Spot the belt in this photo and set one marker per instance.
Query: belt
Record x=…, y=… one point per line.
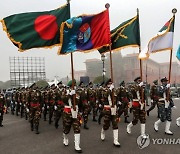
x=34, y=105
x=161, y=99
x=60, y=103
x=107, y=107
x=135, y=104
x=136, y=100
x=67, y=109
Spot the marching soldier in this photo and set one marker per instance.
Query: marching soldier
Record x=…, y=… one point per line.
x=92, y=100
x=52, y=98
x=71, y=117
x=138, y=106
x=165, y=104
x=59, y=105
x=2, y=103
x=45, y=99
x=110, y=114
x=123, y=99
x=35, y=107
x=85, y=106
x=154, y=97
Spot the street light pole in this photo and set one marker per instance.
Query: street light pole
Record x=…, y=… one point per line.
x=103, y=59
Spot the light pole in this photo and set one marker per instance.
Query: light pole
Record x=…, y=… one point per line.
x=103, y=59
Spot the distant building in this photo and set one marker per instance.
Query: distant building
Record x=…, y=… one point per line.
x=127, y=68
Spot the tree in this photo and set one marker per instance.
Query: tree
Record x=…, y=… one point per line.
x=99, y=79
x=42, y=84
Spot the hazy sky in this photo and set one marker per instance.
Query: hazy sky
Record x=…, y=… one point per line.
x=153, y=15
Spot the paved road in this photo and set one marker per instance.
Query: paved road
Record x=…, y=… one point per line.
x=16, y=138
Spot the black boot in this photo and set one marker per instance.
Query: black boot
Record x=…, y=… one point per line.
x=56, y=125
x=37, y=129
x=32, y=126
x=94, y=119
x=125, y=120
x=147, y=112
x=85, y=126
x=1, y=125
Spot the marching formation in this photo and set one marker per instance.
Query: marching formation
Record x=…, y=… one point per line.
x=74, y=105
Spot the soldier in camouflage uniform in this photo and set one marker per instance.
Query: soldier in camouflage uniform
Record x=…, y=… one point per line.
x=165, y=104
x=85, y=106
x=110, y=113
x=71, y=117
x=59, y=105
x=2, y=103
x=154, y=97
x=45, y=101
x=35, y=107
x=138, y=106
x=52, y=98
x=91, y=92
x=123, y=98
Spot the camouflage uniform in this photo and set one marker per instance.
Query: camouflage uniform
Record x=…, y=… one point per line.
x=138, y=106
x=110, y=113
x=69, y=121
x=2, y=103
x=123, y=99
x=91, y=92
x=52, y=98
x=35, y=109
x=17, y=103
x=154, y=97
x=59, y=106
x=165, y=104
x=85, y=106
x=45, y=102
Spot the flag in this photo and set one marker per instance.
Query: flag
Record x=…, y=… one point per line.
x=36, y=29
x=85, y=33
x=163, y=40
x=125, y=35
x=178, y=53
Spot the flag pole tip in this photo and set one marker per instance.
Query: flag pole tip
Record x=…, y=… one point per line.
x=107, y=5
x=174, y=10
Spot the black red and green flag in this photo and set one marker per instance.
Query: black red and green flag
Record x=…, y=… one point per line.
x=127, y=34
x=36, y=29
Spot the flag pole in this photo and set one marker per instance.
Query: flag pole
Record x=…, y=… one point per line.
x=140, y=64
x=111, y=68
x=171, y=52
x=72, y=71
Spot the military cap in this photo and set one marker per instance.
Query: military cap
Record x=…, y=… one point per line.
x=121, y=83
x=164, y=79
x=108, y=81
x=59, y=83
x=70, y=83
x=90, y=83
x=32, y=85
x=101, y=84
x=137, y=78
x=81, y=83
x=155, y=81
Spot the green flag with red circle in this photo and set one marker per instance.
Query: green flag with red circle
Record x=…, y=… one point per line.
x=36, y=29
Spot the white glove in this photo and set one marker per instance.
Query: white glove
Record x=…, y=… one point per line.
x=20, y=103
x=168, y=85
x=130, y=104
x=111, y=87
x=43, y=108
x=74, y=113
x=142, y=106
x=96, y=101
x=100, y=105
x=72, y=92
x=119, y=103
x=27, y=110
x=11, y=102
x=55, y=107
x=24, y=105
x=113, y=110
x=47, y=107
x=151, y=101
x=16, y=103
x=141, y=84
x=174, y=107
x=166, y=104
